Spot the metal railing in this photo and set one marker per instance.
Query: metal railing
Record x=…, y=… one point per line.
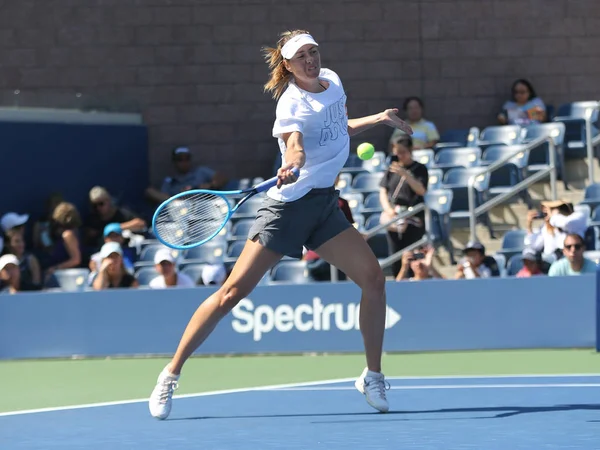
x=411, y=211
x=591, y=143
x=474, y=212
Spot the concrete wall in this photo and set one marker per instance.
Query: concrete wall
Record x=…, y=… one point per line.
x=194, y=68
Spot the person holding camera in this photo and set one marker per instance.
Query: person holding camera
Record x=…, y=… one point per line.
x=559, y=220
x=418, y=265
x=475, y=263
x=403, y=185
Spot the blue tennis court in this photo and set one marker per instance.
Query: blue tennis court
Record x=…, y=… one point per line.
x=495, y=412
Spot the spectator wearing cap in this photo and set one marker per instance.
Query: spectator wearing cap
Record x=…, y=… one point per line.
x=104, y=211
x=112, y=272
x=475, y=263
x=114, y=233
x=10, y=275
x=14, y=221
x=213, y=274
x=187, y=178
x=532, y=264
x=559, y=220
x=67, y=248
x=29, y=266
x=574, y=262
x=165, y=264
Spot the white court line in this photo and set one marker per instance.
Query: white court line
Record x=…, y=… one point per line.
x=447, y=386
x=284, y=386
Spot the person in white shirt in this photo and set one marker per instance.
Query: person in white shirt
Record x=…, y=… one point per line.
x=165, y=264
x=313, y=132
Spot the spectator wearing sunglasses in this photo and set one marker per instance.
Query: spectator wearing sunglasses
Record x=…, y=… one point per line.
x=574, y=262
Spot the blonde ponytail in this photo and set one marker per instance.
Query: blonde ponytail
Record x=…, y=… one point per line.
x=279, y=77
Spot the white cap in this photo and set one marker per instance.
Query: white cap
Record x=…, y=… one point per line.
x=11, y=220
x=8, y=259
x=213, y=274
x=109, y=248
x=164, y=254
x=293, y=45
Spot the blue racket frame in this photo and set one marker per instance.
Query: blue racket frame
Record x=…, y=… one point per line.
x=251, y=191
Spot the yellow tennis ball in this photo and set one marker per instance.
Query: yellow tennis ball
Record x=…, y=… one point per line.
x=365, y=151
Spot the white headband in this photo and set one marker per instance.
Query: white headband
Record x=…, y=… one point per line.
x=291, y=47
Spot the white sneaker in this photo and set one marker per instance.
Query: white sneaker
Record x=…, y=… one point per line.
x=162, y=395
x=373, y=386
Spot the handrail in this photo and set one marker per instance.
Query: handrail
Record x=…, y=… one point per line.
x=398, y=255
x=411, y=211
x=590, y=145
x=475, y=212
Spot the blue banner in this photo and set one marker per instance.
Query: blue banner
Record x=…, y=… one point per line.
x=513, y=313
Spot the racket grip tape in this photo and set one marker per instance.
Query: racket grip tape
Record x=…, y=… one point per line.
x=268, y=184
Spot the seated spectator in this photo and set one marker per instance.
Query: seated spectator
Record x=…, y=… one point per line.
x=10, y=275
x=169, y=276
x=67, y=248
x=524, y=108
x=559, y=219
x=475, y=263
x=418, y=265
x=14, y=221
x=114, y=233
x=403, y=185
x=425, y=133
x=104, y=211
x=29, y=266
x=532, y=264
x=201, y=177
x=573, y=263
x=42, y=229
x=319, y=269
x=214, y=274
x=112, y=273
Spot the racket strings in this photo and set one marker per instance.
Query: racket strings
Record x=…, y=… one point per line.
x=192, y=218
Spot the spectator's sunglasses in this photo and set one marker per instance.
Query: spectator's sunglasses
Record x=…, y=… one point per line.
x=182, y=158
x=574, y=246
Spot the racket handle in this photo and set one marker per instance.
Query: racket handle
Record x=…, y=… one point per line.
x=268, y=184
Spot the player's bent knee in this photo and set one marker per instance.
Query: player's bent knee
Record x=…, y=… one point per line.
x=229, y=296
x=374, y=282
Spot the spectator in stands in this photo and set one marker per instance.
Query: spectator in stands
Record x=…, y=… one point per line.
x=114, y=233
x=425, y=133
x=319, y=269
x=10, y=276
x=14, y=221
x=201, y=177
x=214, y=274
x=169, y=276
x=524, y=108
x=574, y=262
x=112, y=273
x=532, y=264
x=418, y=265
x=67, y=248
x=29, y=266
x=104, y=211
x=559, y=219
x=476, y=264
x=403, y=185
x=42, y=229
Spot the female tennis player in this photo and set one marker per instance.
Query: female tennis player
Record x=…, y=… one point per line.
x=313, y=133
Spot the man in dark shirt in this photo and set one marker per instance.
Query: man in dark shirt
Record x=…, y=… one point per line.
x=404, y=184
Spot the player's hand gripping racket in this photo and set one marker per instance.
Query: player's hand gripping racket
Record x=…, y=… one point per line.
x=192, y=218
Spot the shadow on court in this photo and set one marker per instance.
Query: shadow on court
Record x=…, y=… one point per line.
x=502, y=412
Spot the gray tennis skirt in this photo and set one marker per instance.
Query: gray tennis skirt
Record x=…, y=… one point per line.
x=310, y=221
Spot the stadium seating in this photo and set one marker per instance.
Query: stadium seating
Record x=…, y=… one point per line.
x=289, y=272
x=69, y=280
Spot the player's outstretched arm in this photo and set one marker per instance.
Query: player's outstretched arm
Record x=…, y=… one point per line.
x=294, y=157
x=388, y=117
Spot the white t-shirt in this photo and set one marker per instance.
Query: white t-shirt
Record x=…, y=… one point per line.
x=323, y=121
x=183, y=281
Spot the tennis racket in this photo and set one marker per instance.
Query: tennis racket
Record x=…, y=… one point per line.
x=192, y=218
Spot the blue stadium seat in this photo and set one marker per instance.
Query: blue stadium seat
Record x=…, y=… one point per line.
x=69, y=280
x=438, y=202
x=194, y=271
x=378, y=244
x=249, y=208
x=209, y=253
x=372, y=221
x=511, y=173
x=515, y=263
x=359, y=222
x=513, y=243
x=435, y=179
x=455, y=138
x=240, y=229
x=376, y=164
x=235, y=249
x=344, y=183
x=424, y=156
x=573, y=116
x=144, y=275
x=539, y=157
x=591, y=196
x=449, y=158
x=372, y=203
x=592, y=238
x=290, y=272
x=355, y=201
x=148, y=252
x=507, y=134
x=367, y=182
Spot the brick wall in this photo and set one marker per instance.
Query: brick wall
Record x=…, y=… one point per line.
x=194, y=69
